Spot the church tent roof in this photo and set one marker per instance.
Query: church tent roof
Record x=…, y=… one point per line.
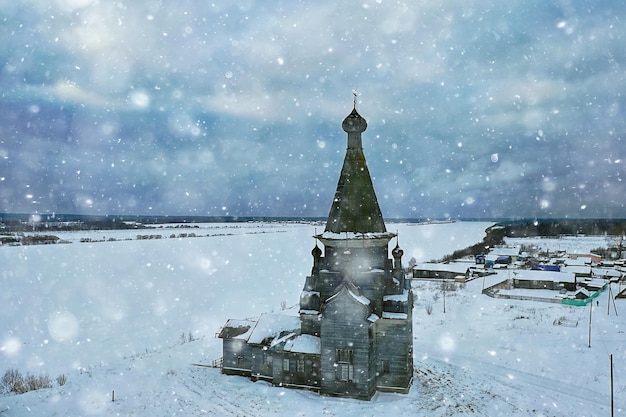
x=355, y=206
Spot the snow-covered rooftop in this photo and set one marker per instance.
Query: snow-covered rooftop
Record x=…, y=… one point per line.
x=397, y=297
x=505, y=251
x=270, y=326
x=457, y=267
x=355, y=236
x=580, y=261
x=373, y=317
x=606, y=272
x=529, y=274
x=237, y=329
x=396, y=316
x=583, y=291
x=577, y=269
x=595, y=283
x=304, y=343
x=351, y=291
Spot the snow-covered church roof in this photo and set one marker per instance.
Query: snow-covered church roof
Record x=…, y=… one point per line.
x=273, y=325
x=304, y=343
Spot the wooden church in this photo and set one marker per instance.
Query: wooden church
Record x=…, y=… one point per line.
x=353, y=334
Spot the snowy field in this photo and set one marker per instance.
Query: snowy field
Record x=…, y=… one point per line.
x=110, y=316
x=569, y=244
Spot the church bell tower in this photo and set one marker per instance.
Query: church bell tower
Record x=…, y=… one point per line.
x=357, y=299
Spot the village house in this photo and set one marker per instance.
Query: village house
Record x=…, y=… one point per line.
x=447, y=271
x=610, y=274
x=548, y=280
x=581, y=272
x=503, y=254
x=587, y=258
x=353, y=333
x=556, y=280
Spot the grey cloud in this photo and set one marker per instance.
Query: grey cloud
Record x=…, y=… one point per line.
x=475, y=109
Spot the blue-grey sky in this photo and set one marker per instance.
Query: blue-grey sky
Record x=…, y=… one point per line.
x=475, y=108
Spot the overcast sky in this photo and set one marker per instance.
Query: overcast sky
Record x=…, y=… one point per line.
x=474, y=108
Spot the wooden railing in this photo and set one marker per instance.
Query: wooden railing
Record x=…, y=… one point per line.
x=217, y=363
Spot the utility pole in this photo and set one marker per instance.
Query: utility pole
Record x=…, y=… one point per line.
x=608, y=304
x=611, y=300
x=611, y=362
x=590, y=311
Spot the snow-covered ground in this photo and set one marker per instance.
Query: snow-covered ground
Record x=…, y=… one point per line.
x=111, y=315
x=569, y=244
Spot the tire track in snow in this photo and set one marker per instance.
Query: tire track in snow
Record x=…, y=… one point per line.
x=218, y=400
x=513, y=378
x=446, y=390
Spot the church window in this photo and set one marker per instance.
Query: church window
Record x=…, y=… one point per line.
x=345, y=366
x=384, y=367
x=346, y=372
x=344, y=356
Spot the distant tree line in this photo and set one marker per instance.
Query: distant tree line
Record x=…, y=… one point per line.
x=554, y=228
x=494, y=236
x=20, y=239
x=614, y=229
x=14, y=226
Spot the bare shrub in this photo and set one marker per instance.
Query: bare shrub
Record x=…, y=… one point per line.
x=36, y=382
x=61, y=379
x=429, y=309
x=184, y=338
x=13, y=381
